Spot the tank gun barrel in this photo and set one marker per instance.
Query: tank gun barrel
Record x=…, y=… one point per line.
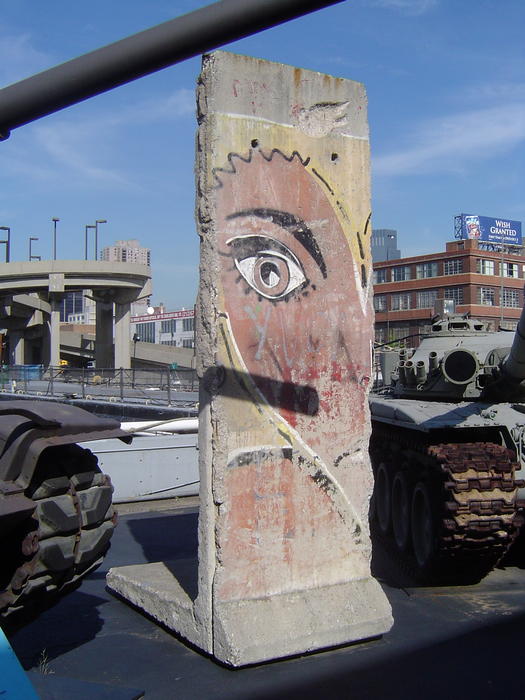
x=514, y=364
x=141, y=54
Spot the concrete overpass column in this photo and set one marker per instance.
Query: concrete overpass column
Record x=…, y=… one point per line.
x=54, y=331
x=16, y=348
x=122, y=339
x=104, y=335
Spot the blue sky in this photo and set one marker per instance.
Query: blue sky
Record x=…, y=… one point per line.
x=446, y=90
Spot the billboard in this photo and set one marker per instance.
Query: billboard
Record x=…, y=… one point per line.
x=484, y=228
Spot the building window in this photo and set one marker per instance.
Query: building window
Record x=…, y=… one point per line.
x=187, y=325
x=400, y=302
x=453, y=267
x=187, y=343
x=429, y=269
x=426, y=299
x=169, y=326
x=398, y=332
x=510, y=269
x=380, y=275
x=455, y=294
x=380, y=335
x=486, y=296
x=485, y=267
x=511, y=297
x=146, y=331
x=401, y=273
x=380, y=302
x=168, y=342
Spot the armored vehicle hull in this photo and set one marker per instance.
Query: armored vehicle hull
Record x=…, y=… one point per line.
x=447, y=450
x=448, y=488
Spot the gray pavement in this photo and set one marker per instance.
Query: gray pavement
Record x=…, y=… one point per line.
x=446, y=642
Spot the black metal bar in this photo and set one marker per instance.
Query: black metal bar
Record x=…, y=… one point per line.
x=121, y=383
x=143, y=53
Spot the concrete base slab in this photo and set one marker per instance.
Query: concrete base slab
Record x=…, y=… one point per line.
x=250, y=631
x=154, y=589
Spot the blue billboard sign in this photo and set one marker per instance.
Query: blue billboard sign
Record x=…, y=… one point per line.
x=484, y=228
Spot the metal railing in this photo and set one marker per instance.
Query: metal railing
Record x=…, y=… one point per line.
x=158, y=385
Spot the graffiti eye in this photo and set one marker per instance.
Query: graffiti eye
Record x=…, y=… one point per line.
x=268, y=266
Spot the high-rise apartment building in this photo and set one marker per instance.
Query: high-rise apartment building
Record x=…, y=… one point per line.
x=384, y=244
x=127, y=251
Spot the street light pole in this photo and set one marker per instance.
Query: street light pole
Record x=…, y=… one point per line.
x=136, y=338
x=97, y=222
x=33, y=257
x=7, y=242
x=54, y=220
x=86, y=240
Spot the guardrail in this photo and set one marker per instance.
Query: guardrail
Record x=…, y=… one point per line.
x=117, y=384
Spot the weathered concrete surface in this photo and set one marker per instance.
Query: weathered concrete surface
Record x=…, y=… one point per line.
x=284, y=343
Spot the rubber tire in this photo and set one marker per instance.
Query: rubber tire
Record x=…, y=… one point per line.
x=423, y=527
x=382, y=496
x=401, y=502
x=75, y=519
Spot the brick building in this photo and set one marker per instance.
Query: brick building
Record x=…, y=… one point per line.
x=487, y=283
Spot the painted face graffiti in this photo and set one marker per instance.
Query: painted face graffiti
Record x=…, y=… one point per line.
x=294, y=299
x=267, y=265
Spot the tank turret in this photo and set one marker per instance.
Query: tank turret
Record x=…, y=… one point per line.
x=448, y=450
x=462, y=360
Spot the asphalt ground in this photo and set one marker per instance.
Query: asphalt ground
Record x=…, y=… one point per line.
x=446, y=643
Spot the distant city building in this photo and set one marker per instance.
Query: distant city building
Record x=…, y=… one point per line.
x=127, y=251
x=78, y=308
x=72, y=304
x=384, y=244
x=175, y=328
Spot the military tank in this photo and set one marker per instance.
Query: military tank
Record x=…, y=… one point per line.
x=447, y=451
x=56, y=513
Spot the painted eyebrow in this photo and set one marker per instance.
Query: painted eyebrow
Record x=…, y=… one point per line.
x=294, y=225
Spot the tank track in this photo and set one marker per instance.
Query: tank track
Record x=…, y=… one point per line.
x=65, y=538
x=473, y=494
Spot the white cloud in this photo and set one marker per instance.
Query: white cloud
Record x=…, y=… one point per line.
x=408, y=7
x=19, y=59
x=180, y=103
x=72, y=146
x=494, y=92
x=84, y=146
x=454, y=143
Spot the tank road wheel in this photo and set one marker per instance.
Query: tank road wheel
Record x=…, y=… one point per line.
x=68, y=534
x=423, y=525
x=382, y=498
x=401, y=511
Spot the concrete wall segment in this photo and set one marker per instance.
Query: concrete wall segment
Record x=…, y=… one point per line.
x=284, y=333
x=287, y=368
